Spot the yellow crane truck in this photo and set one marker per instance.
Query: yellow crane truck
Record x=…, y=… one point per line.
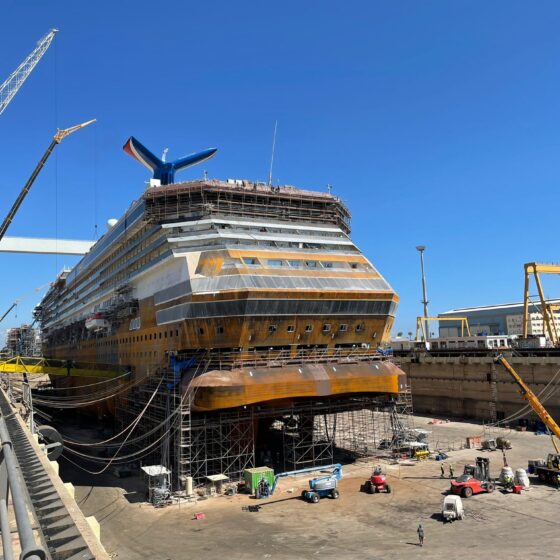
x=550, y=472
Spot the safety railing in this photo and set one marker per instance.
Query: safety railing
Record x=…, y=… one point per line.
x=11, y=483
x=285, y=357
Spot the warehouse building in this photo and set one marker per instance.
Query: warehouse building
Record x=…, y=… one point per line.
x=504, y=319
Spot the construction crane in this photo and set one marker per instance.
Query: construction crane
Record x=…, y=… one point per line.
x=423, y=324
x=11, y=86
x=17, y=301
x=533, y=401
x=58, y=137
x=547, y=309
x=9, y=309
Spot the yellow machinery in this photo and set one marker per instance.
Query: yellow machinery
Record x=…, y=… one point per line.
x=66, y=368
x=533, y=401
x=547, y=309
x=423, y=324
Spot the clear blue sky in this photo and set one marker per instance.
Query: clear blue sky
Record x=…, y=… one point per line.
x=436, y=121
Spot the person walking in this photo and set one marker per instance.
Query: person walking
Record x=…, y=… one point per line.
x=420, y=532
x=442, y=471
x=451, y=473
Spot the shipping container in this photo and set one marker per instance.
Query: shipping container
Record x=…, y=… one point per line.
x=253, y=476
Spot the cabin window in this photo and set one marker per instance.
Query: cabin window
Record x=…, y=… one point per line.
x=291, y=328
x=165, y=334
x=326, y=327
x=220, y=329
x=343, y=327
x=177, y=332
x=327, y=264
x=272, y=329
x=251, y=261
x=354, y=265
x=308, y=328
x=294, y=264
x=275, y=263
x=200, y=331
x=310, y=264
x=360, y=327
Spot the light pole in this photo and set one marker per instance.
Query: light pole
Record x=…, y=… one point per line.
x=421, y=249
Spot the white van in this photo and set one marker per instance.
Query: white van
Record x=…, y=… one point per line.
x=452, y=508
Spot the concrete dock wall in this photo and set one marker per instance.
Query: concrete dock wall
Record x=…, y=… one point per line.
x=461, y=387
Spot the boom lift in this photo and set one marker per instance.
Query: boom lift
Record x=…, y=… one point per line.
x=319, y=487
x=551, y=472
x=15, y=80
x=58, y=137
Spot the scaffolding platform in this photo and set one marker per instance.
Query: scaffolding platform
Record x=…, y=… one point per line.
x=307, y=432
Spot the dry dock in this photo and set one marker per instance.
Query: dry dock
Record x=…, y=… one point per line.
x=357, y=525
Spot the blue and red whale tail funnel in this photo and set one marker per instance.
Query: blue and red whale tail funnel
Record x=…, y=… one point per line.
x=164, y=170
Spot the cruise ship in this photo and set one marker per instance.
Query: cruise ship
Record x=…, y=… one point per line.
x=229, y=268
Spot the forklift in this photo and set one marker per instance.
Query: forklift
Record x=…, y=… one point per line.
x=474, y=480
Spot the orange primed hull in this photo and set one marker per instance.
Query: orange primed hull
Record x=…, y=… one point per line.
x=217, y=390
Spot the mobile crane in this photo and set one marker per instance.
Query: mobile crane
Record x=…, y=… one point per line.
x=551, y=472
x=57, y=138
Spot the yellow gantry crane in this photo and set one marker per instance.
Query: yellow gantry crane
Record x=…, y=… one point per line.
x=58, y=137
x=423, y=324
x=533, y=401
x=547, y=309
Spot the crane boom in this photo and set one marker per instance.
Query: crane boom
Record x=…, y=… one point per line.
x=11, y=86
x=5, y=314
x=532, y=399
x=58, y=137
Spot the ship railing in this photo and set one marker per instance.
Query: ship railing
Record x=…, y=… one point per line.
x=280, y=358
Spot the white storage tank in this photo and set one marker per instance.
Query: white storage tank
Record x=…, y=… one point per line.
x=522, y=478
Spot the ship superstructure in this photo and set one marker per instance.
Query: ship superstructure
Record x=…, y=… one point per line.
x=243, y=310
x=232, y=266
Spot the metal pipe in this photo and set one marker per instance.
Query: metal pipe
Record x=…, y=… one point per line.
x=29, y=548
x=421, y=249
x=5, y=528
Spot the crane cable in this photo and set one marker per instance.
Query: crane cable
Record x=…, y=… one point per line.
x=521, y=411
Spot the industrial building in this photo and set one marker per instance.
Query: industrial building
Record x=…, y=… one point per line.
x=503, y=319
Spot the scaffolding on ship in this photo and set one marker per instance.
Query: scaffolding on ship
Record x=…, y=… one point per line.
x=306, y=433
x=244, y=199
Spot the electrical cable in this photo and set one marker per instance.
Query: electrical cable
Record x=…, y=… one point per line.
x=131, y=431
x=186, y=393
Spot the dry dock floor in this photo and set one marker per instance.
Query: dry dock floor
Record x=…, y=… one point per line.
x=357, y=525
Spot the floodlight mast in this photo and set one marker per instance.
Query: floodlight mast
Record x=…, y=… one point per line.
x=421, y=249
